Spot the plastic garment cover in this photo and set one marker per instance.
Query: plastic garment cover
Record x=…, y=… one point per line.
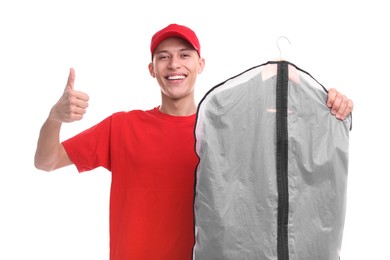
x=272, y=176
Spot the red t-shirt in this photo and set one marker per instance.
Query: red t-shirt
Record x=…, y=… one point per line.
x=152, y=159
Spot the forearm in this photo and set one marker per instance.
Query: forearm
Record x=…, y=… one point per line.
x=50, y=152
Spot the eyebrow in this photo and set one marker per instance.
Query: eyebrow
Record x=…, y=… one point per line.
x=183, y=49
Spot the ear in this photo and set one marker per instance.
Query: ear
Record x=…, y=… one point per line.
x=202, y=63
x=151, y=70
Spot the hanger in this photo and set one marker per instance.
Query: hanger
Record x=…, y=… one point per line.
x=271, y=69
x=277, y=44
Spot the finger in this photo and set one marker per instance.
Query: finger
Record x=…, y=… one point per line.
x=71, y=78
x=74, y=114
x=332, y=93
x=342, y=109
x=79, y=111
x=347, y=110
x=80, y=96
x=80, y=103
x=335, y=103
x=73, y=117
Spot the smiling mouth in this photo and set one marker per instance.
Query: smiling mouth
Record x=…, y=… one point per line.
x=176, y=77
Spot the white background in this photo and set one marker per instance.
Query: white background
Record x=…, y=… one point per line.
x=63, y=214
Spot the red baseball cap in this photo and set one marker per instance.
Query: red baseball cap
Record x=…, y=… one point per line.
x=175, y=30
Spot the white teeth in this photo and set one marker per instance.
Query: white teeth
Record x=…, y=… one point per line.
x=176, y=77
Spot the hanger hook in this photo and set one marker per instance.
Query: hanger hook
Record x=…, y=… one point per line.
x=277, y=44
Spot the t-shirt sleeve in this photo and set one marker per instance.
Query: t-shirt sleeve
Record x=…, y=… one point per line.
x=91, y=148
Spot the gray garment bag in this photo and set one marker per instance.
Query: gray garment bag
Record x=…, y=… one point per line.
x=273, y=163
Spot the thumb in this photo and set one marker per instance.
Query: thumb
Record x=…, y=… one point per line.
x=71, y=77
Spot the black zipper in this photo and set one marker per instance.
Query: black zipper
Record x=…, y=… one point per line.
x=282, y=160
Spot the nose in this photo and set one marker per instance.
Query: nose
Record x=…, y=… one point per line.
x=174, y=63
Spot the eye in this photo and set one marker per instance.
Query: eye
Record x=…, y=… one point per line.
x=185, y=55
x=163, y=57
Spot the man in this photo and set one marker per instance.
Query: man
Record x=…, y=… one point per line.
x=150, y=153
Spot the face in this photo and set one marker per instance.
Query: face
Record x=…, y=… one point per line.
x=176, y=65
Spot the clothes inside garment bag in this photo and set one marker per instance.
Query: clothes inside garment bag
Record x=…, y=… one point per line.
x=273, y=164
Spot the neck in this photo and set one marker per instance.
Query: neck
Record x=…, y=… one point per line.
x=178, y=107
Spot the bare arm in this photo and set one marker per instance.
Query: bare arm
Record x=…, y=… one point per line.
x=50, y=154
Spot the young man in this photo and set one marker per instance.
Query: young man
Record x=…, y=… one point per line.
x=149, y=153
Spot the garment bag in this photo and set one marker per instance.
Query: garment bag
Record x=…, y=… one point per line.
x=272, y=175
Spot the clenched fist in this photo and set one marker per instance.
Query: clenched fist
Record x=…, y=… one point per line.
x=72, y=105
x=339, y=104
